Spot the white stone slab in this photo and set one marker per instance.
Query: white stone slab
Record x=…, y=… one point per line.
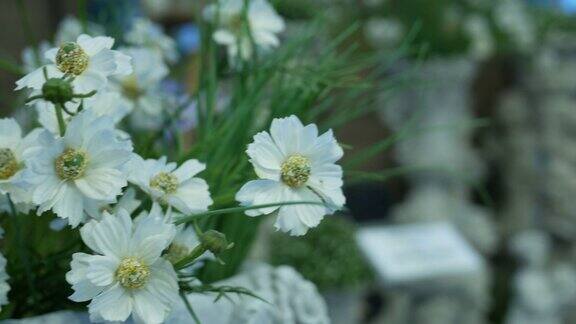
x=402, y=254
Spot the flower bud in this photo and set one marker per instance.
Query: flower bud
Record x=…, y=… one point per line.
x=215, y=242
x=57, y=91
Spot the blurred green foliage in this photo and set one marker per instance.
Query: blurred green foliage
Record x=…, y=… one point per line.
x=328, y=255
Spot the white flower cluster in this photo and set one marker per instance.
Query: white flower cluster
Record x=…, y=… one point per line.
x=292, y=299
x=81, y=165
x=239, y=28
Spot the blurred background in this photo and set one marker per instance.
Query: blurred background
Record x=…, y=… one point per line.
x=474, y=220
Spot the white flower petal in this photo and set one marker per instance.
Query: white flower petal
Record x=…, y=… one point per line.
x=326, y=180
x=148, y=64
x=266, y=156
x=50, y=54
x=128, y=201
x=101, y=270
x=266, y=39
x=263, y=17
x=224, y=37
x=103, y=62
x=261, y=192
x=164, y=282
x=188, y=170
x=123, y=64
x=286, y=134
x=69, y=204
x=152, y=235
x=78, y=267
x=297, y=219
x=85, y=290
x=47, y=189
x=148, y=307
x=109, y=236
x=88, y=81
x=325, y=149
x=36, y=79
x=150, y=104
x=40, y=160
x=114, y=304
x=29, y=141
x=102, y=183
x=191, y=197
x=93, y=45
x=110, y=158
x=10, y=133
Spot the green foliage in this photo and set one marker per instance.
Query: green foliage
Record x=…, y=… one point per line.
x=441, y=34
x=328, y=255
x=38, y=258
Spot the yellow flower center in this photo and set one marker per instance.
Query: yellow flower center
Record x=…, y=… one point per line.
x=71, y=164
x=165, y=182
x=8, y=164
x=295, y=171
x=176, y=252
x=132, y=273
x=130, y=88
x=71, y=59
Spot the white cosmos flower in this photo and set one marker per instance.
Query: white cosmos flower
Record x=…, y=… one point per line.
x=145, y=33
x=263, y=23
x=126, y=275
x=141, y=89
x=87, y=163
x=12, y=148
x=172, y=186
x=4, y=287
x=103, y=103
x=90, y=60
x=294, y=164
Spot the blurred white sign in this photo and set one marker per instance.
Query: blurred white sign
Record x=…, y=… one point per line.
x=405, y=253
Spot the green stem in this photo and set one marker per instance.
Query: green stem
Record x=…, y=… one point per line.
x=84, y=95
x=241, y=209
x=60, y=117
x=221, y=291
x=34, y=98
x=68, y=112
x=196, y=227
x=195, y=254
x=248, y=30
x=211, y=87
x=189, y=307
x=83, y=15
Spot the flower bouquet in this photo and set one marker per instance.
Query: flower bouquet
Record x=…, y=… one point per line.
x=134, y=189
